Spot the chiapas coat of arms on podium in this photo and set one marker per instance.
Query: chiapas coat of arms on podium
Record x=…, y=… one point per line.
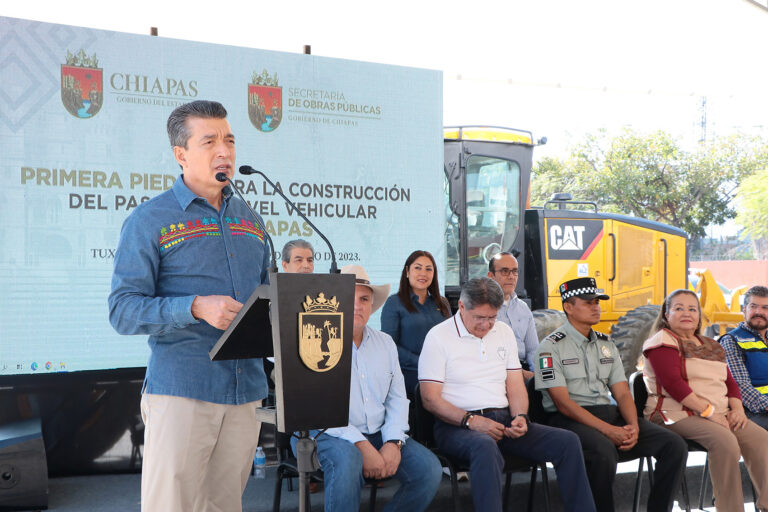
x=320, y=333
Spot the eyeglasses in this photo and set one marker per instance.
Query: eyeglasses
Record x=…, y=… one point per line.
x=506, y=271
x=753, y=306
x=478, y=319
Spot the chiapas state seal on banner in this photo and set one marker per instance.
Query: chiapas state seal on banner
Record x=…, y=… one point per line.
x=265, y=101
x=82, y=91
x=320, y=333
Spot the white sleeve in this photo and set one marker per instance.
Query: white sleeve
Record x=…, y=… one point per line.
x=510, y=342
x=432, y=358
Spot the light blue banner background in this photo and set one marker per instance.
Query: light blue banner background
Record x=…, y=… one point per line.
x=55, y=254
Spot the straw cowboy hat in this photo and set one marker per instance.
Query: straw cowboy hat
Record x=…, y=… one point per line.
x=380, y=292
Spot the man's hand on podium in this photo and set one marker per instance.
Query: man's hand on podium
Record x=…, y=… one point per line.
x=374, y=465
x=391, y=454
x=217, y=310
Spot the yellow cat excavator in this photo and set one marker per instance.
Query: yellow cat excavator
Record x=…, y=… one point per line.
x=637, y=262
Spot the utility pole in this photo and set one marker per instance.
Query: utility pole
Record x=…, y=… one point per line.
x=703, y=120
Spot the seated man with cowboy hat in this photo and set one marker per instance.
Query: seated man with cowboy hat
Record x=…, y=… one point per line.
x=375, y=444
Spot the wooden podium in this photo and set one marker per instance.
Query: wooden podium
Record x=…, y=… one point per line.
x=305, y=321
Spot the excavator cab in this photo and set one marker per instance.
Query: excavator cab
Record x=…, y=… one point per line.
x=487, y=176
x=487, y=186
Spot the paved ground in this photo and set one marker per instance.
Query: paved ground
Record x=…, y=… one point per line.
x=120, y=493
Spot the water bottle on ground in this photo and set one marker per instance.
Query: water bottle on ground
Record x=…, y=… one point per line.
x=260, y=462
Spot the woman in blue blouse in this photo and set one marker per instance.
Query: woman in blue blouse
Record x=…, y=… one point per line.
x=408, y=315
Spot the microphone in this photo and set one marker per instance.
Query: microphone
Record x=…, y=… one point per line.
x=222, y=177
x=248, y=170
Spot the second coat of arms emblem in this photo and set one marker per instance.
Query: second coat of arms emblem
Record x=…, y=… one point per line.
x=320, y=333
x=265, y=101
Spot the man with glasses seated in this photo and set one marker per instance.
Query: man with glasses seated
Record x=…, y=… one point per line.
x=470, y=379
x=514, y=312
x=746, y=351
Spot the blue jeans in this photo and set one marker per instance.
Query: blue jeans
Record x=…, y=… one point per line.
x=540, y=444
x=419, y=474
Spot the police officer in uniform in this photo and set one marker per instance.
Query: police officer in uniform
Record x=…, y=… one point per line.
x=580, y=369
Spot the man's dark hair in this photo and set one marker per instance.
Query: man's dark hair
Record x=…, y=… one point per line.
x=480, y=291
x=569, y=300
x=178, y=131
x=755, y=291
x=295, y=244
x=492, y=262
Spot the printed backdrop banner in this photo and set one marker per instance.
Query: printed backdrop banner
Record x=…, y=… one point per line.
x=83, y=141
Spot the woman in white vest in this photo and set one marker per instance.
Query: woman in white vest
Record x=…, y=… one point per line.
x=692, y=392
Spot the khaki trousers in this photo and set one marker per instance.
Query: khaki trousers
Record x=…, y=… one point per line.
x=725, y=447
x=197, y=455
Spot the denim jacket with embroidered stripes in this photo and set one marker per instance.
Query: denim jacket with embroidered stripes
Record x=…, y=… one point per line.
x=172, y=248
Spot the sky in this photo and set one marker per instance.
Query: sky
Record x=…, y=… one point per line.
x=558, y=68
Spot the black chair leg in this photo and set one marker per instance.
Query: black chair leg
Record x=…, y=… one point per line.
x=278, y=491
x=531, y=489
x=372, y=501
x=704, y=482
x=507, y=486
x=638, y=484
x=545, y=481
x=454, y=489
x=686, y=499
x=650, y=470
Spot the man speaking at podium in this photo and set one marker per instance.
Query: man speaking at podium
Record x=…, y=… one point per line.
x=186, y=261
x=374, y=444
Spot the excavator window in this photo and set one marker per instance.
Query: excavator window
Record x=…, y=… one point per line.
x=493, y=215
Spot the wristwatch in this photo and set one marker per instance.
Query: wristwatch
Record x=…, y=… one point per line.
x=525, y=417
x=397, y=442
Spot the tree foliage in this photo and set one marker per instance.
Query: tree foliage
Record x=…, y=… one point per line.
x=652, y=176
x=753, y=211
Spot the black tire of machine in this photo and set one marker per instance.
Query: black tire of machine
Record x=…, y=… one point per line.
x=547, y=320
x=630, y=332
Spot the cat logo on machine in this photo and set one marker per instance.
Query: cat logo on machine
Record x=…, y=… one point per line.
x=82, y=91
x=573, y=239
x=320, y=333
x=567, y=238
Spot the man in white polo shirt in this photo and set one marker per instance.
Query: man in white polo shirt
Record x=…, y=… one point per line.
x=470, y=379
